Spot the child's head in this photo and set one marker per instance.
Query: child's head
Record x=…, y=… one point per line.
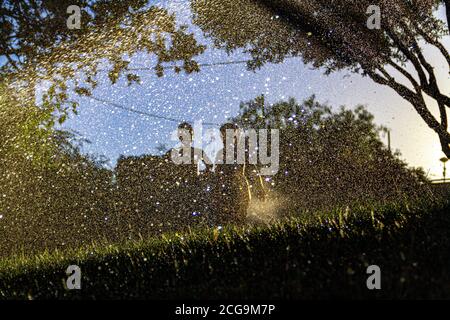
x=185, y=131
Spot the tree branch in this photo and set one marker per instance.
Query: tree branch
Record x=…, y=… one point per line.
x=447, y=9
x=416, y=99
x=436, y=43
x=414, y=60
x=432, y=87
x=406, y=74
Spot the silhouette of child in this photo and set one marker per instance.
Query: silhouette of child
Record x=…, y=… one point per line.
x=231, y=194
x=190, y=199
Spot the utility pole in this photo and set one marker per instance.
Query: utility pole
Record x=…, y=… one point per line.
x=444, y=161
x=389, y=140
x=387, y=132
x=263, y=102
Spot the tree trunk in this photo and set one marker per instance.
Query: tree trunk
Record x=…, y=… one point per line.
x=447, y=9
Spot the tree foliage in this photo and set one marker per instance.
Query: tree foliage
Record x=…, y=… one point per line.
x=334, y=35
x=50, y=195
x=39, y=46
x=332, y=159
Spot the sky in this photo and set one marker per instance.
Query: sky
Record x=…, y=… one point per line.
x=214, y=94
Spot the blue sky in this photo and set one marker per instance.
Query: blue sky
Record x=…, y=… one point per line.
x=214, y=94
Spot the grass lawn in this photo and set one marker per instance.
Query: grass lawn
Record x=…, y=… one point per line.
x=325, y=256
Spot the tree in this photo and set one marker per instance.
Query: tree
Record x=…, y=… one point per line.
x=50, y=194
x=332, y=159
x=39, y=46
x=334, y=35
